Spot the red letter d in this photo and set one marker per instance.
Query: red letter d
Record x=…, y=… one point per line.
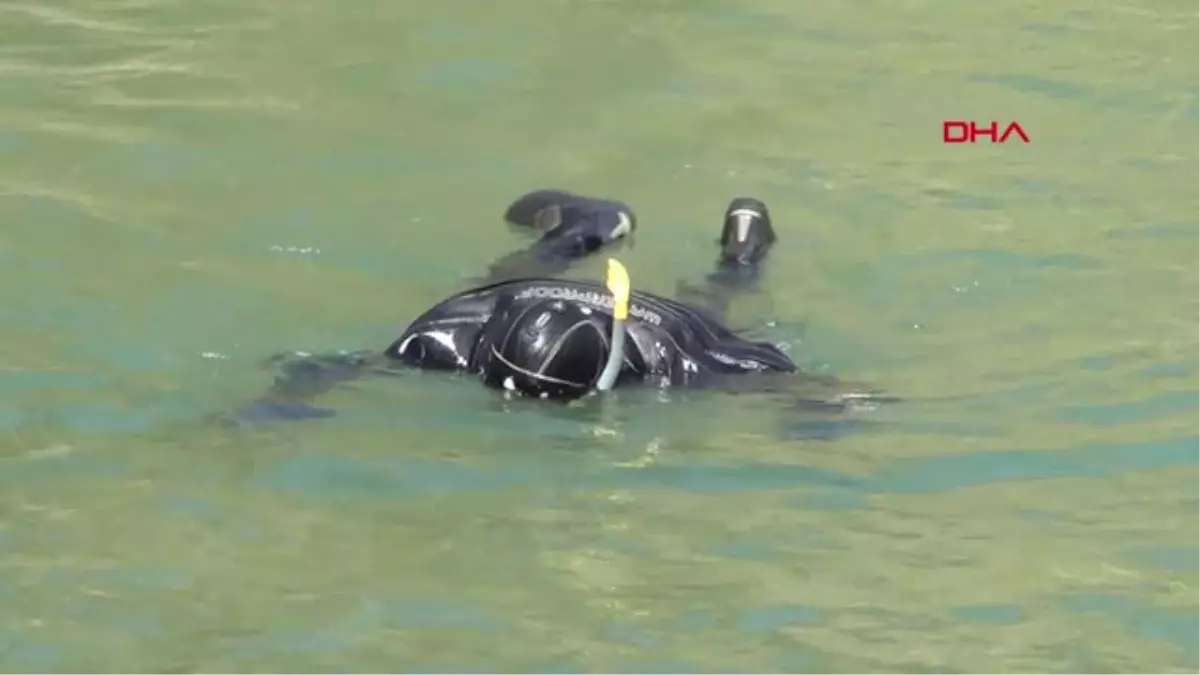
x=949, y=137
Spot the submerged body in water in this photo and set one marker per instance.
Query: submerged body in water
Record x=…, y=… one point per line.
x=667, y=343
x=529, y=332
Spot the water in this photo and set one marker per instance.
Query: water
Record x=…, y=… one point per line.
x=189, y=187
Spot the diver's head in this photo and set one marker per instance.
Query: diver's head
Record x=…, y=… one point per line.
x=747, y=234
x=553, y=349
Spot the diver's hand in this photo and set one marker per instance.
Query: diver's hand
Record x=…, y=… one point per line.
x=852, y=401
x=547, y=209
x=300, y=378
x=540, y=209
x=574, y=227
x=585, y=227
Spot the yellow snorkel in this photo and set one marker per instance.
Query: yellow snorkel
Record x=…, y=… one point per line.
x=617, y=281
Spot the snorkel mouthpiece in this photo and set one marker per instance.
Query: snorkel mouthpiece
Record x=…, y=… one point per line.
x=617, y=281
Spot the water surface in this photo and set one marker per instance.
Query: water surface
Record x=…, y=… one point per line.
x=189, y=187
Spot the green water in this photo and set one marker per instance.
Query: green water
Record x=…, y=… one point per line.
x=188, y=187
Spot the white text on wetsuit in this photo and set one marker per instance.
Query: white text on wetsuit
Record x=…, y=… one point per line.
x=589, y=297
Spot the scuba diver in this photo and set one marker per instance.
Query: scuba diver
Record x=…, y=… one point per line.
x=527, y=331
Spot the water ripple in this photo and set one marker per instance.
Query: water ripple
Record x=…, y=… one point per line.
x=1159, y=405
x=953, y=472
x=59, y=16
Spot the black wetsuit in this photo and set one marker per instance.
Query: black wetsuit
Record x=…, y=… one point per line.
x=674, y=343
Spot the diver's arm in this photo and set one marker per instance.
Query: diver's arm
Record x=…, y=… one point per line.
x=717, y=290
x=302, y=377
x=812, y=407
x=530, y=262
x=746, y=238
x=573, y=227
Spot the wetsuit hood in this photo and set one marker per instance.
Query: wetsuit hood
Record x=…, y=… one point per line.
x=546, y=349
